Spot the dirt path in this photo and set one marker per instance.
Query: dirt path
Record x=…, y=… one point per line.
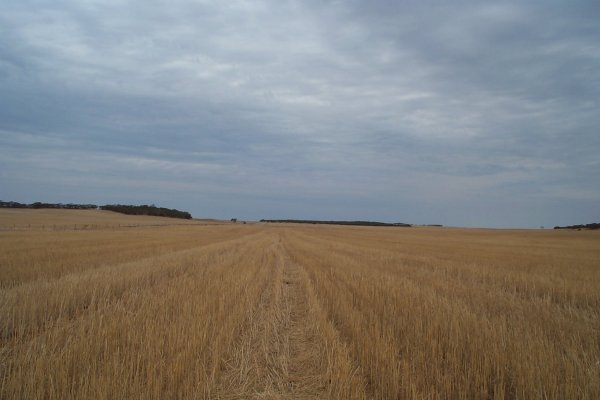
x=280, y=354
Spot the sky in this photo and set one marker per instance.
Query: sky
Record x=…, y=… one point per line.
x=462, y=113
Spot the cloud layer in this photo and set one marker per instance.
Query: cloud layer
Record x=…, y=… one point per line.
x=471, y=113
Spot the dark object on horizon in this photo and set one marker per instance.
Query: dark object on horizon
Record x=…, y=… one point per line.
x=233, y=219
x=595, y=225
x=37, y=205
x=354, y=223
x=147, y=210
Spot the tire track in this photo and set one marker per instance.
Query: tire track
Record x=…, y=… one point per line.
x=281, y=354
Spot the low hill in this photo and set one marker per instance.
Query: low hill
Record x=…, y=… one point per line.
x=27, y=218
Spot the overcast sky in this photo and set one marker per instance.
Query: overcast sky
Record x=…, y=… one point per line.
x=464, y=113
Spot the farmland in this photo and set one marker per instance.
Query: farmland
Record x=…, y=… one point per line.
x=106, y=306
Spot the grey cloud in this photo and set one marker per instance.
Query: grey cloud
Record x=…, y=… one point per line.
x=387, y=110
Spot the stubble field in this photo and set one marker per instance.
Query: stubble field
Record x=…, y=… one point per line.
x=103, y=306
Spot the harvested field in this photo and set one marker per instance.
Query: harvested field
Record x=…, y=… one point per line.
x=55, y=219
x=269, y=311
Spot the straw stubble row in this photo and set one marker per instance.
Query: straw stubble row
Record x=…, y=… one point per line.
x=302, y=312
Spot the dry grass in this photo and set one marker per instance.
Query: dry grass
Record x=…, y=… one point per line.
x=462, y=313
x=56, y=219
x=280, y=311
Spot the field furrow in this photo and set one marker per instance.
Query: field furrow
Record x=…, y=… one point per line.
x=280, y=354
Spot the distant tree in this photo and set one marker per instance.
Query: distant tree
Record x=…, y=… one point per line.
x=147, y=210
x=595, y=225
x=357, y=223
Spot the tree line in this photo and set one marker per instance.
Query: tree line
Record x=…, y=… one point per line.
x=37, y=204
x=147, y=210
x=357, y=223
x=595, y=225
x=120, y=208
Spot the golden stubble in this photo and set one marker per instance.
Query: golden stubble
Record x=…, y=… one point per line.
x=236, y=311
